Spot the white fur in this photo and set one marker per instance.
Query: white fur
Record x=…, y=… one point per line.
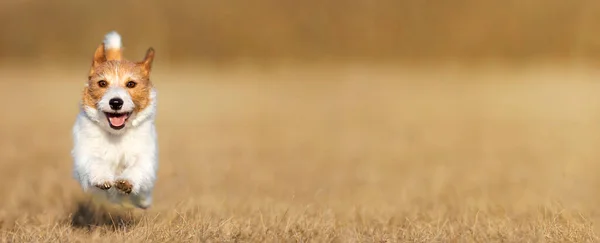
x=116, y=91
x=112, y=40
x=102, y=154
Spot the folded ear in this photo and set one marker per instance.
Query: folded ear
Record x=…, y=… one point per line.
x=98, y=59
x=147, y=62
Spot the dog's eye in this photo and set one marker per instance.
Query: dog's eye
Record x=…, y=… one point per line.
x=131, y=84
x=102, y=83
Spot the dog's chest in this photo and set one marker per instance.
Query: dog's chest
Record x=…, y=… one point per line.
x=123, y=152
x=119, y=158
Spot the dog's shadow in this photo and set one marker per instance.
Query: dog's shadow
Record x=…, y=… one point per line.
x=89, y=215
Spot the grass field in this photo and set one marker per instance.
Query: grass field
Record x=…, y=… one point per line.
x=212, y=30
x=374, y=153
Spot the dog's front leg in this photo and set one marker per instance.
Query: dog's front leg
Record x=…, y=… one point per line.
x=93, y=172
x=138, y=177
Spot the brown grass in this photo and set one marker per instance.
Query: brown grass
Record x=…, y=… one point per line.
x=311, y=30
x=331, y=153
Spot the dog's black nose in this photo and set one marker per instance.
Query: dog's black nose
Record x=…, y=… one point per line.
x=115, y=103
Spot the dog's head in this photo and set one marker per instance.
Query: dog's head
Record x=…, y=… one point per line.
x=118, y=93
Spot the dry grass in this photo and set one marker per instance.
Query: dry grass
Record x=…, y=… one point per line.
x=331, y=153
x=310, y=30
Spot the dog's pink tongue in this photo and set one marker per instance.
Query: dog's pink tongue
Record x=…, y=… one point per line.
x=117, y=121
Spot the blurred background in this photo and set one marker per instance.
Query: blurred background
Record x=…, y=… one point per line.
x=268, y=30
x=352, y=120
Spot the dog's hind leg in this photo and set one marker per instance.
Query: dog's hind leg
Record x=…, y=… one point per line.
x=142, y=200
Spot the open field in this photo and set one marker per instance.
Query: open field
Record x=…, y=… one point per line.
x=184, y=30
x=324, y=153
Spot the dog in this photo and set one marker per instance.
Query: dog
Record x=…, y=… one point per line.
x=115, y=149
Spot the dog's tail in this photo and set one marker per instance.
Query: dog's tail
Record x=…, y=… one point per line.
x=112, y=46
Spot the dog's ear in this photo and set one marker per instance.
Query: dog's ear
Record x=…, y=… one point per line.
x=99, y=58
x=147, y=62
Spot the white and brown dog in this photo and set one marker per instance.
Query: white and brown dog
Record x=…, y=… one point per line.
x=115, y=144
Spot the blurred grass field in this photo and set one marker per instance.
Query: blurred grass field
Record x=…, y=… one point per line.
x=317, y=121
x=342, y=154
x=262, y=30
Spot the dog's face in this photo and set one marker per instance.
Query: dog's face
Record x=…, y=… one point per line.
x=117, y=89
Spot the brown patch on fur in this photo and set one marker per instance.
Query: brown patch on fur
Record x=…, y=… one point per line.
x=108, y=66
x=98, y=59
x=92, y=93
x=140, y=94
x=147, y=62
x=114, y=54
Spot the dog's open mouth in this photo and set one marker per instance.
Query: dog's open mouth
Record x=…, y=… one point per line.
x=117, y=120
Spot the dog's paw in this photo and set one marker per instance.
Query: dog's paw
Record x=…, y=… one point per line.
x=123, y=186
x=104, y=186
